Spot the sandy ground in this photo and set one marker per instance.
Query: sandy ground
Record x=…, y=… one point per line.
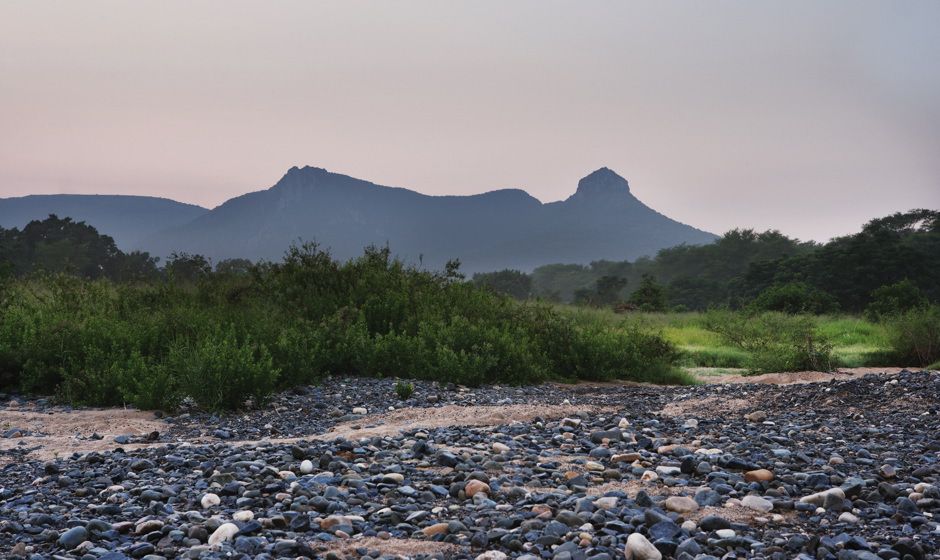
x=406, y=548
x=61, y=433
x=798, y=377
x=66, y=432
x=391, y=423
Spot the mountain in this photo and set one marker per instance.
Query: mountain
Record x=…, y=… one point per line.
x=499, y=229
x=128, y=219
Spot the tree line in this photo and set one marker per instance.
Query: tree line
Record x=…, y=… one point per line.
x=894, y=258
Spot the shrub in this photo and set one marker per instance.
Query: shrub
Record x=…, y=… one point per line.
x=221, y=338
x=404, y=390
x=774, y=341
x=650, y=296
x=794, y=298
x=218, y=371
x=894, y=299
x=915, y=335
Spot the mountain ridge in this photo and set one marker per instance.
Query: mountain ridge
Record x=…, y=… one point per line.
x=503, y=228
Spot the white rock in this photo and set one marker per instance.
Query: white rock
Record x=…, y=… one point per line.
x=819, y=498
x=623, y=424
x=649, y=476
x=210, y=500
x=306, y=467
x=492, y=555
x=244, y=515
x=847, y=517
x=500, y=448
x=608, y=502
x=757, y=503
x=664, y=470
x=725, y=533
x=225, y=532
x=397, y=478
x=360, y=410
x=640, y=548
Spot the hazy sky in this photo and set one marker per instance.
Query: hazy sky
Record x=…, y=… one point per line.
x=810, y=117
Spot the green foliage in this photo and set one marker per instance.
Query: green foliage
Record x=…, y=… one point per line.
x=58, y=245
x=404, y=389
x=218, y=371
x=221, y=338
x=790, y=275
x=775, y=342
x=512, y=283
x=794, y=298
x=915, y=335
x=649, y=296
x=606, y=291
x=894, y=299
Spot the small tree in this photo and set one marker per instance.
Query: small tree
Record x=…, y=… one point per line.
x=894, y=299
x=795, y=298
x=650, y=296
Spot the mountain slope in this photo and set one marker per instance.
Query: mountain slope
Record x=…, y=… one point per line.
x=498, y=229
x=128, y=219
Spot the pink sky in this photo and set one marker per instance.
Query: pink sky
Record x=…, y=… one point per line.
x=807, y=117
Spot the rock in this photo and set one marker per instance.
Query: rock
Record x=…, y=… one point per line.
x=500, y=448
x=887, y=471
x=756, y=416
x=225, y=532
x=436, y=529
x=625, y=457
x=760, y=475
x=306, y=466
x=244, y=515
x=474, y=487
x=492, y=555
x=639, y=548
x=826, y=498
x=148, y=526
x=847, y=517
x=757, y=503
x=680, y=504
x=210, y=500
x=72, y=538
x=361, y=411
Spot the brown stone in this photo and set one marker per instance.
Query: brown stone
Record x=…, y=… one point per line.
x=760, y=475
x=436, y=529
x=475, y=487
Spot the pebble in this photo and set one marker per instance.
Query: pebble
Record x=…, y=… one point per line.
x=534, y=487
x=639, y=547
x=224, y=533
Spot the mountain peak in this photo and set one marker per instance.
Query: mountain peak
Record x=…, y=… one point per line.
x=602, y=181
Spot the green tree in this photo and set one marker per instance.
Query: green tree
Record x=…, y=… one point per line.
x=649, y=296
x=513, y=283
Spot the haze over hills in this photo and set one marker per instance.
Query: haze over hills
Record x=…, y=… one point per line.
x=499, y=229
x=128, y=219
x=493, y=230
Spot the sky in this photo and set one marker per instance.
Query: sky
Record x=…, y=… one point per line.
x=804, y=116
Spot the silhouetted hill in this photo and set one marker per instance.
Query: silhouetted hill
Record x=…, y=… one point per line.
x=498, y=229
x=127, y=219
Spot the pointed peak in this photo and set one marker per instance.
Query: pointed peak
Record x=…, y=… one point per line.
x=602, y=181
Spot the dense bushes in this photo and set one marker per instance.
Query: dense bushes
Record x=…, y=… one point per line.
x=220, y=338
x=915, y=335
x=774, y=341
x=794, y=298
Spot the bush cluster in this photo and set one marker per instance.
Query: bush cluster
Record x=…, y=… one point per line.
x=224, y=338
x=774, y=341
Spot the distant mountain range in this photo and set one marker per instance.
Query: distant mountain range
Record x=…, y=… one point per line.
x=128, y=219
x=494, y=230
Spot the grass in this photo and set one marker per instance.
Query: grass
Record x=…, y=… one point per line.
x=857, y=342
